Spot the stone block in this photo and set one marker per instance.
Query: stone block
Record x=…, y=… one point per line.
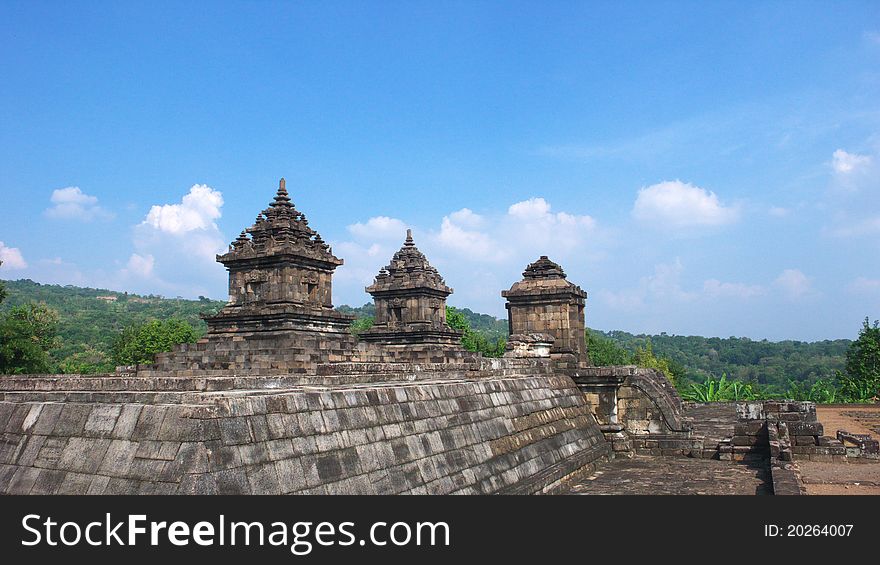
x=72, y=420
x=118, y=458
x=149, y=422
x=22, y=480
x=232, y=481
x=48, y=482
x=806, y=429
x=263, y=479
x=48, y=417
x=235, y=431
x=83, y=455
x=750, y=428
x=126, y=422
x=291, y=476
x=75, y=483
x=102, y=420
x=805, y=440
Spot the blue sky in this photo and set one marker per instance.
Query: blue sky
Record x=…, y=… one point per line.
x=698, y=168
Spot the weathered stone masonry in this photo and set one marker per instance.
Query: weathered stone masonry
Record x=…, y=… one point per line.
x=478, y=435
x=280, y=398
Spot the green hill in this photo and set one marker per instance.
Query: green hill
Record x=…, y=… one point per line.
x=94, y=317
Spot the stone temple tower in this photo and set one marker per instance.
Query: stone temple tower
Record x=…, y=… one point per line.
x=280, y=273
x=410, y=297
x=544, y=302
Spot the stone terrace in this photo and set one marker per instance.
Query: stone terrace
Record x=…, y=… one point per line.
x=674, y=475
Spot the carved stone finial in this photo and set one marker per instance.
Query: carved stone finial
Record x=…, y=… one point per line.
x=282, y=200
x=409, y=240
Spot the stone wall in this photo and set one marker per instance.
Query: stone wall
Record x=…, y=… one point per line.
x=639, y=410
x=485, y=432
x=291, y=352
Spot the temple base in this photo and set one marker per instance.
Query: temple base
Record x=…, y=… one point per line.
x=272, y=318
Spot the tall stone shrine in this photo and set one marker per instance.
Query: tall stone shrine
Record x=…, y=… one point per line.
x=280, y=276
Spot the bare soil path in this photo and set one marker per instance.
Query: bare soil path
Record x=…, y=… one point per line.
x=844, y=478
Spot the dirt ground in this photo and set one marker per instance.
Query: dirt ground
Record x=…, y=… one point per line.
x=844, y=478
x=857, y=419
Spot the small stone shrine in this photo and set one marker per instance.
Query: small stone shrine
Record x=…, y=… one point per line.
x=410, y=298
x=544, y=302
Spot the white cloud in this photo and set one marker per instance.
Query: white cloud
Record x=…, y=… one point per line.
x=529, y=209
x=529, y=229
x=664, y=288
x=179, y=242
x=716, y=288
x=72, y=203
x=533, y=229
x=864, y=285
x=196, y=211
x=362, y=263
x=681, y=205
x=857, y=228
x=778, y=211
x=11, y=258
x=664, y=285
x=141, y=265
x=379, y=227
x=189, y=225
x=473, y=251
x=374, y=250
x=466, y=218
x=470, y=243
x=848, y=163
x=794, y=284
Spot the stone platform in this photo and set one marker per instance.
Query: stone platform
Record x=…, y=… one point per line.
x=676, y=475
x=499, y=427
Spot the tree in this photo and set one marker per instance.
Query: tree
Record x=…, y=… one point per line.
x=644, y=357
x=2, y=289
x=472, y=340
x=27, y=333
x=360, y=325
x=604, y=352
x=138, y=343
x=88, y=361
x=861, y=381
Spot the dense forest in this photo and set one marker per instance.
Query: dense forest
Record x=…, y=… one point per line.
x=91, y=321
x=765, y=363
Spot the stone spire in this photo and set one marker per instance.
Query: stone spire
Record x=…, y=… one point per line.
x=410, y=297
x=409, y=269
x=282, y=198
x=544, y=268
x=280, y=229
